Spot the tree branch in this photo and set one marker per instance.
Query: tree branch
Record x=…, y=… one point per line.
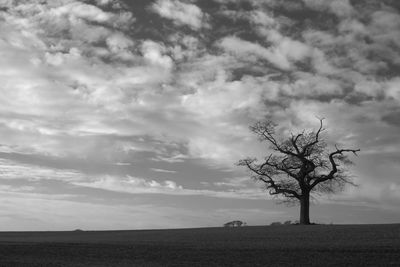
x=266, y=131
x=275, y=188
x=334, y=165
x=282, y=168
x=316, y=140
x=294, y=141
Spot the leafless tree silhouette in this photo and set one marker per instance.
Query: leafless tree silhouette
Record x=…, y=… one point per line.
x=301, y=166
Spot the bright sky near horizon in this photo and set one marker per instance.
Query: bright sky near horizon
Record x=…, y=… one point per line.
x=131, y=114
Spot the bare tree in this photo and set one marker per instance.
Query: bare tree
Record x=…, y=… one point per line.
x=301, y=166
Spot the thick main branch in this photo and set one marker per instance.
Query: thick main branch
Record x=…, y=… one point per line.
x=334, y=166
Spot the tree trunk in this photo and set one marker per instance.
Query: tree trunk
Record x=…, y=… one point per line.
x=305, y=208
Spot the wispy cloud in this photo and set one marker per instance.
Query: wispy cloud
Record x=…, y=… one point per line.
x=162, y=170
x=13, y=170
x=136, y=185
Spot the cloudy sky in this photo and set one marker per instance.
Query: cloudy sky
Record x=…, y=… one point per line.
x=131, y=114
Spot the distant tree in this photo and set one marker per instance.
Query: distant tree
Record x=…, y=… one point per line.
x=234, y=224
x=287, y=223
x=275, y=223
x=299, y=167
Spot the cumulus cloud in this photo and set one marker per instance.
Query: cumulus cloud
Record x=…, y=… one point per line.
x=245, y=49
x=281, y=55
x=393, y=88
x=153, y=52
x=68, y=71
x=181, y=13
x=81, y=10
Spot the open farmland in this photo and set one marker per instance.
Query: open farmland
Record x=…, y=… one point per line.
x=318, y=245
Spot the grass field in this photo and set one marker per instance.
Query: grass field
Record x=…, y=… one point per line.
x=317, y=245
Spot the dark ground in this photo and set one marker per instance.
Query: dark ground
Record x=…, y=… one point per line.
x=316, y=245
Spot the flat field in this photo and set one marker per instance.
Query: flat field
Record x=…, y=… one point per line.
x=295, y=245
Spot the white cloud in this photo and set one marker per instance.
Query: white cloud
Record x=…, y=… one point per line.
x=307, y=84
x=118, y=42
x=393, y=88
x=104, y=2
x=245, y=49
x=371, y=88
x=236, y=182
x=186, y=47
x=181, y=13
x=383, y=29
x=123, y=163
x=60, y=75
x=222, y=97
x=13, y=170
x=135, y=185
x=132, y=185
x=261, y=18
x=162, y=170
x=153, y=52
x=81, y=10
x=171, y=159
x=282, y=53
x=341, y=8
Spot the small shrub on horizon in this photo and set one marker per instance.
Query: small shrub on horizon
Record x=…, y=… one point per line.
x=275, y=223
